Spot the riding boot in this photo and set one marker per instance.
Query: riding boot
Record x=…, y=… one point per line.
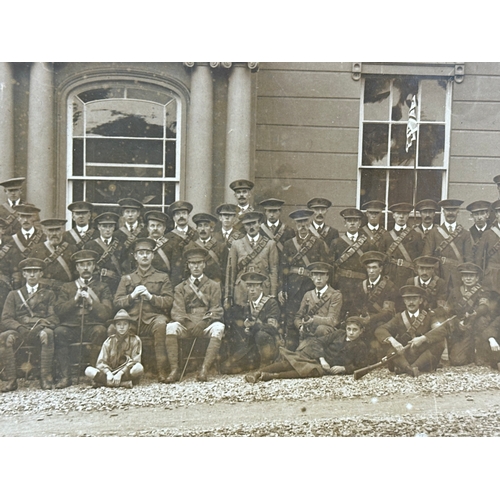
x=161, y=356
x=62, y=356
x=210, y=355
x=8, y=359
x=173, y=358
x=46, y=359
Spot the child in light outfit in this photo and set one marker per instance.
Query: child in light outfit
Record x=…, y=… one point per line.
x=119, y=362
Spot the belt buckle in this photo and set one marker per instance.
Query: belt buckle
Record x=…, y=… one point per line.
x=348, y=273
x=400, y=262
x=104, y=272
x=443, y=260
x=300, y=272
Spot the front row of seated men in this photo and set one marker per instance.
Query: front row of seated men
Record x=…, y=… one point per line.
x=148, y=307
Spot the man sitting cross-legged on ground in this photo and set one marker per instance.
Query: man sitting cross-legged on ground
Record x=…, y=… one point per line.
x=119, y=362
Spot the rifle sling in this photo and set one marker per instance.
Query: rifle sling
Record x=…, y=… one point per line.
x=449, y=241
x=261, y=244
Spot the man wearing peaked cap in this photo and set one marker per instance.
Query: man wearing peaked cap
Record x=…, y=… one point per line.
x=298, y=253
x=88, y=296
x=273, y=227
x=480, y=211
x=401, y=244
x=242, y=192
x=228, y=232
x=373, y=228
x=449, y=242
x=318, y=226
x=10, y=257
x=428, y=210
x=82, y=231
x=427, y=279
x=28, y=318
x=109, y=248
x=156, y=223
x=13, y=190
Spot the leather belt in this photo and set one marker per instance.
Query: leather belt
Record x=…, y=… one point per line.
x=51, y=283
x=301, y=271
x=346, y=273
x=402, y=263
x=452, y=262
x=108, y=273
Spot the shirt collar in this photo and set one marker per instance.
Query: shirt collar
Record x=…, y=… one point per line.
x=276, y=224
x=374, y=282
x=397, y=227
x=254, y=238
x=30, y=232
x=317, y=226
x=131, y=227
x=182, y=230
x=422, y=282
x=256, y=302
x=206, y=241
x=322, y=291
x=227, y=231
x=31, y=289
x=452, y=227
x=107, y=239
x=243, y=209
x=373, y=228
x=192, y=278
x=82, y=229
x=415, y=315
x=352, y=236
x=480, y=229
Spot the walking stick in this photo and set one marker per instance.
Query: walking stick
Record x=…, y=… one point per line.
x=187, y=360
x=82, y=326
x=139, y=319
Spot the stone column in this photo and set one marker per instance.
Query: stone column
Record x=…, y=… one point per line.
x=40, y=181
x=238, y=130
x=200, y=138
x=6, y=122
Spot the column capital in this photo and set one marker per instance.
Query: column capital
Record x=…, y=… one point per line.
x=252, y=66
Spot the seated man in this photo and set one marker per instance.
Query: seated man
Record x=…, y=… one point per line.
x=28, y=318
x=85, y=296
x=119, y=362
x=488, y=339
x=256, y=339
x=147, y=295
x=197, y=312
x=412, y=327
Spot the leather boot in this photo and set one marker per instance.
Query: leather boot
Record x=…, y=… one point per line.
x=46, y=359
x=8, y=359
x=210, y=355
x=161, y=357
x=173, y=358
x=62, y=356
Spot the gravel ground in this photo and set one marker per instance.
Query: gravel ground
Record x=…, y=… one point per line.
x=233, y=389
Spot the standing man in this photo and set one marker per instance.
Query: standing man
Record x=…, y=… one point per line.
x=227, y=216
x=272, y=227
x=156, y=224
x=82, y=232
x=28, y=235
x=9, y=259
x=147, y=295
x=87, y=297
x=242, y=192
x=428, y=210
x=434, y=286
x=28, y=318
x=13, y=190
x=373, y=228
x=318, y=227
x=480, y=211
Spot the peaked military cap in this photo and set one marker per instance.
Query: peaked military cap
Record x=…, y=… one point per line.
x=130, y=203
x=479, y=205
x=84, y=255
x=469, y=267
x=80, y=206
x=351, y=213
x=53, y=223
x=412, y=291
x=401, y=207
x=374, y=206
x=252, y=277
x=227, y=209
x=180, y=205
x=26, y=209
x=496, y=179
x=32, y=263
x=427, y=205
x=156, y=215
x=251, y=217
x=495, y=205
x=372, y=256
x=204, y=217
x=195, y=254
x=241, y=184
x=144, y=244
x=15, y=183
x=301, y=214
x=319, y=267
x=107, y=218
x=355, y=319
x=272, y=203
x=426, y=261
x=319, y=203
x=450, y=203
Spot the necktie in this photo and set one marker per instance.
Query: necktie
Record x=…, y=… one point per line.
x=273, y=229
x=196, y=282
x=252, y=243
x=423, y=285
x=370, y=286
x=106, y=241
x=318, y=294
x=28, y=236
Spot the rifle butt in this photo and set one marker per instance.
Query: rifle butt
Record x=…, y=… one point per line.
x=367, y=369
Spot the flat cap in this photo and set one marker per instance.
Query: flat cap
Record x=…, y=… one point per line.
x=351, y=213
x=241, y=184
x=144, y=244
x=479, y=205
x=107, y=218
x=32, y=263
x=254, y=277
x=80, y=206
x=227, y=209
x=204, y=217
x=15, y=183
x=450, y=203
x=156, y=215
x=356, y=320
x=372, y=256
x=251, y=217
x=272, y=203
x=53, y=223
x=426, y=261
x=180, y=205
x=319, y=203
x=427, y=205
x=301, y=214
x=412, y=291
x=84, y=255
x=496, y=179
x=26, y=209
x=130, y=203
x=495, y=205
x=469, y=267
x=401, y=207
x=374, y=206
x=195, y=254
x=319, y=267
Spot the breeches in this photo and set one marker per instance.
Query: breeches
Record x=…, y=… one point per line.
x=215, y=329
x=65, y=335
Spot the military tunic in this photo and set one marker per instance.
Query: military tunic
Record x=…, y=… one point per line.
x=174, y=248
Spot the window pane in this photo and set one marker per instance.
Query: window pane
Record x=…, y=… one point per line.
x=77, y=156
x=170, y=170
x=124, y=118
x=372, y=185
x=171, y=119
x=401, y=183
x=429, y=185
x=124, y=151
x=375, y=139
x=169, y=193
x=403, y=91
x=431, y=145
x=102, y=93
x=77, y=117
x=109, y=192
x=376, y=99
x=149, y=95
x=399, y=156
x=433, y=100
x=78, y=191
x=121, y=171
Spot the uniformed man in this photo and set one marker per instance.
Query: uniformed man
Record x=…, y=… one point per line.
x=156, y=224
x=9, y=259
x=412, y=326
x=298, y=253
x=178, y=239
x=28, y=318
x=427, y=279
x=449, y=242
x=196, y=312
x=109, y=248
x=56, y=253
x=82, y=231
x=83, y=307
x=29, y=234
x=318, y=227
x=273, y=227
x=428, y=210
x=374, y=228
x=402, y=244
x=345, y=253
x=242, y=192
x=147, y=295
x=480, y=211
x=227, y=216
x=13, y=190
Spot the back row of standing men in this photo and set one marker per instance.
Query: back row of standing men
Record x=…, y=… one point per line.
x=248, y=278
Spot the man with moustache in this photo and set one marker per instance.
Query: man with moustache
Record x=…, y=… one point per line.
x=28, y=235
x=318, y=227
x=373, y=228
x=427, y=209
x=156, y=224
x=82, y=232
x=242, y=192
x=13, y=190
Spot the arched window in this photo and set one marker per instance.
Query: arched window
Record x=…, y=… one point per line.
x=123, y=141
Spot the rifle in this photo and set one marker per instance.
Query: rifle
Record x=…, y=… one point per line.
x=361, y=372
